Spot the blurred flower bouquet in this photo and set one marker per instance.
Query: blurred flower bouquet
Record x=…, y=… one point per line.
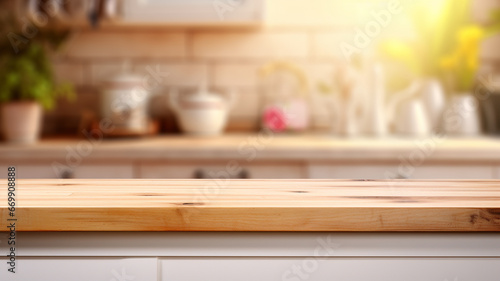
x=461, y=64
x=286, y=88
x=446, y=44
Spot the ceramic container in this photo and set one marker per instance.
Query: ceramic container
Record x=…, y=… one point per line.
x=21, y=121
x=201, y=113
x=412, y=120
x=124, y=101
x=434, y=101
x=461, y=116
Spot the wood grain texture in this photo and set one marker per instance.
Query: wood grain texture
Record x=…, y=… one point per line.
x=254, y=205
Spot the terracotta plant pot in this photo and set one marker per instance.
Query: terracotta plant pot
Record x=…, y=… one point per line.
x=21, y=121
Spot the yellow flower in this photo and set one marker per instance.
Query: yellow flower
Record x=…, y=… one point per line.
x=451, y=61
x=397, y=49
x=448, y=62
x=470, y=33
x=469, y=38
x=467, y=51
x=473, y=58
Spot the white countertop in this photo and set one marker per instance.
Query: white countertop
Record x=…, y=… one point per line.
x=262, y=147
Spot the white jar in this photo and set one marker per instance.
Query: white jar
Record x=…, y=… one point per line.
x=124, y=101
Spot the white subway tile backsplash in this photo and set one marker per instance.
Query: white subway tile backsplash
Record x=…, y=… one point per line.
x=250, y=45
x=247, y=74
x=247, y=104
x=176, y=74
x=316, y=72
x=102, y=71
x=69, y=72
x=236, y=74
x=109, y=45
x=327, y=45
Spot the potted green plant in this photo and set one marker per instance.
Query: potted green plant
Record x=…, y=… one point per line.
x=27, y=83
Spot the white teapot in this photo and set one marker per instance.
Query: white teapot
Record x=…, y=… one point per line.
x=201, y=113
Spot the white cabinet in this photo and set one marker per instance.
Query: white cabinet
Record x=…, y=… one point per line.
x=401, y=170
x=496, y=172
x=51, y=170
x=321, y=269
x=333, y=171
x=29, y=171
x=192, y=13
x=453, y=172
x=261, y=170
x=218, y=169
x=104, y=171
x=251, y=256
x=82, y=269
x=258, y=170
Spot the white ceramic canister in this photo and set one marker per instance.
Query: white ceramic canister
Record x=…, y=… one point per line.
x=124, y=101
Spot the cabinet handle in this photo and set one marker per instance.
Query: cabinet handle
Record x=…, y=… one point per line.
x=244, y=174
x=67, y=174
x=200, y=174
x=402, y=177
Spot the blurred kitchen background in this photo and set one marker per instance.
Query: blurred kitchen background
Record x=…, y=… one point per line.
x=251, y=89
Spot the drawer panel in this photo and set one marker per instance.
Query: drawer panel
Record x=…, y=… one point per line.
x=229, y=169
x=86, y=171
x=327, y=171
x=29, y=171
x=81, y=269
x=104, y=172
x=375, y=171
x=453, y=172
x=320, y=269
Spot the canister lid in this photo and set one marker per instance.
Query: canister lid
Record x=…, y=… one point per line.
x=125, y=79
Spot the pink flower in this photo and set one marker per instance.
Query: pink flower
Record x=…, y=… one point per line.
x=274, y=119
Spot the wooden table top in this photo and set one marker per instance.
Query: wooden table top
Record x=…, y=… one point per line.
x=254, y=205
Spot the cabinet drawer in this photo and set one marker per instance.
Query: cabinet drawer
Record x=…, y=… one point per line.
x=86, y=171
x=104, y=172
x=326, y=171
x=229, y=169
x=82, y=269
x=375, y=171
x=453, y=172
x=320, y=269
x=29, y=171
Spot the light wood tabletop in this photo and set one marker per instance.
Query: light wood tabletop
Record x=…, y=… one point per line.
x=253, y=205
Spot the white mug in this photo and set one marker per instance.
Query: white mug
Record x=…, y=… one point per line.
x=461, y=117
x=434, y=100
x=412, y=119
